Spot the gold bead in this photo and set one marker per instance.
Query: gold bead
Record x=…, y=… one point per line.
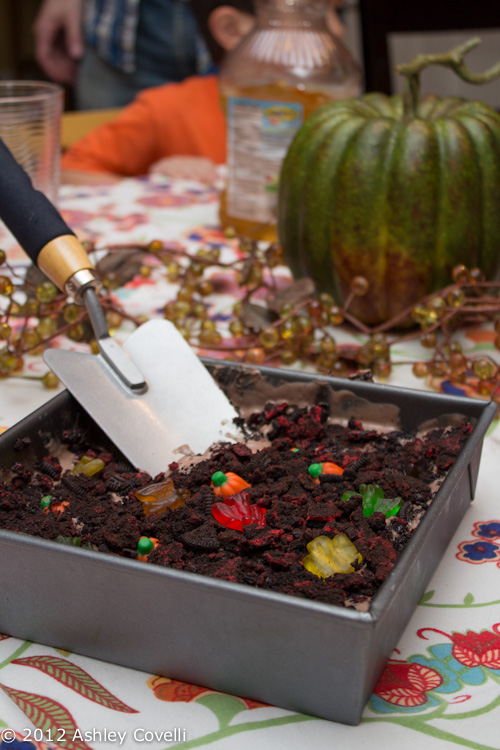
x=460, y=274
x=255, y=276
x=336, y=317
x=185, y=293
x=113, y=319
x=285, y=309
x=236, y=328
x=199, y=310
x=5, y=331
x=197, y=269
x=269, y=337
x=428, y=340
x=76, y=332
x=455, y=297
x=154, y=247
x=419, y=314
x=30, y=338
x=436, y=308
x=8, y=362
x=111, y=280
x=438, y=368
x=486, y=387
x=173, y=270
x=47, y=327
x=328, y=346
x=208, y=325
x=205, y=288
x=182, y=308
x=255, y=356
x=326, y=300
x=483, y=368
x=71, y=312
x=210, y=338
x=6, y=286
x=364, y=355
x=50, y=380
x=458, y=364
x=31, y=308
x=476, y=276
x=288, y=329
x=304, y=325
x=288, y=357
x=382, y=368
x=379, y=346
x=46, y=291
x=420, y=369
x=359, y=286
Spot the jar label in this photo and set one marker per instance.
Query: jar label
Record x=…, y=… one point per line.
x=259, y=134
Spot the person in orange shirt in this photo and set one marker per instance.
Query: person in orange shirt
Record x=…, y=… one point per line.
x=177, y=129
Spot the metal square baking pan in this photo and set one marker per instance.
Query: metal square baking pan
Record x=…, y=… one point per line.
x=304, y=656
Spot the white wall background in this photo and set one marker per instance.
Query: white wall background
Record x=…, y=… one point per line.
x=436, y=80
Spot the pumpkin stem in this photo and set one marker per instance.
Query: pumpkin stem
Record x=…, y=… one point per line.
x=453, y=59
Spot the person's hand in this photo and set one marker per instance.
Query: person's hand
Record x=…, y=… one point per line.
x=187, y=168
x=57, y=32
x=78, y=177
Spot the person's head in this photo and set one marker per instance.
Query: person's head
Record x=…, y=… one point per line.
x=223, y=24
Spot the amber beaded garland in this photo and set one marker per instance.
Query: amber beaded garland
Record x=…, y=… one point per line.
x=300, y=330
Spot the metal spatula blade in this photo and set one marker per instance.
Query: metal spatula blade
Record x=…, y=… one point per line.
x=181, y=407
x=153, y=399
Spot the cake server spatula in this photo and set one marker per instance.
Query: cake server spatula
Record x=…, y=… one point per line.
x=153, y=395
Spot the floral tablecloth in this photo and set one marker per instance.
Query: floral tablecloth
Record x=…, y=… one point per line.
x=442, y=686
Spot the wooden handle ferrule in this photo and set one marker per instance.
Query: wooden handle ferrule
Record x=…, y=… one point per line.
x=61, y=258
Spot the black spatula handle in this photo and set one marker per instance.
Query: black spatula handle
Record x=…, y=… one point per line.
x=37, y=225
x=29, y=215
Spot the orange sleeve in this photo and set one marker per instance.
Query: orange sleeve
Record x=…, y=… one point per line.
x=174, y=119
x=124, y=146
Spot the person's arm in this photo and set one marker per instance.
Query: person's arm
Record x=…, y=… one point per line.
x=125, y=146
x=57, y=32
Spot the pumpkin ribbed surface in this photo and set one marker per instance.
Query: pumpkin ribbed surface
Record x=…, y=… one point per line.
x=401, y=201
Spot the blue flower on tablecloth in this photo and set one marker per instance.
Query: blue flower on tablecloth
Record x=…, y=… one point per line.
x=478, y=552
x=17, y=745
x=487, y=530
x=450, y=388
x=454, y=673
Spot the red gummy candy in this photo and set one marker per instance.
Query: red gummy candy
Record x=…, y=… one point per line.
x=236, y=512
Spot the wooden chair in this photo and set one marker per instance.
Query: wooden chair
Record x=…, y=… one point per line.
x=379, y=18
x=76, y=124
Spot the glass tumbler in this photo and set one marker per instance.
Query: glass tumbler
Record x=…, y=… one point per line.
x=30, y=126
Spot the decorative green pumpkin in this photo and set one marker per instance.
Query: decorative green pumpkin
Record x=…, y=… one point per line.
x=395, y=189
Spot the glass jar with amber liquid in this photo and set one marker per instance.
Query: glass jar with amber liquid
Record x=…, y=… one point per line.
x=287, y=66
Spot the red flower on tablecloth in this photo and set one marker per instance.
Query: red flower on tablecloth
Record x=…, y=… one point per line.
x=477, y=649
x=404, y=684
x=179, y=200
x=480, y=336
x=174, y=691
